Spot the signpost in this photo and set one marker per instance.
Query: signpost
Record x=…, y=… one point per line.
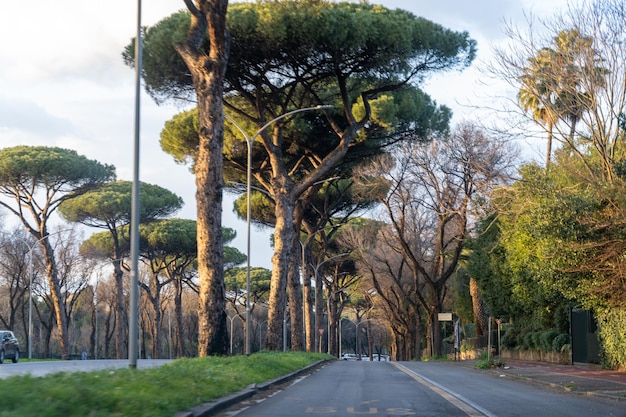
x=320, y=331
x=443, y=317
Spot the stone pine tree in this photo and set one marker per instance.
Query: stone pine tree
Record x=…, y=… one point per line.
x=109, y=208
x=34, y=181
x=202, y=50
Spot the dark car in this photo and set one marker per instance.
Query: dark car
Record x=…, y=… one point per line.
x=9, y=346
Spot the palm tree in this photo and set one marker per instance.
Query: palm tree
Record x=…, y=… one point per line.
x=536, y=95
x=552, y=84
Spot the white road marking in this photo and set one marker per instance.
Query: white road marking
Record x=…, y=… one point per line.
x=468, y=407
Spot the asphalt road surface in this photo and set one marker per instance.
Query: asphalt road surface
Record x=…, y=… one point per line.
x=46, y=367
x=346, y=388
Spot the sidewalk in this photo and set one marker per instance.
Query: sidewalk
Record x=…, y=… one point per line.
x=579, y=379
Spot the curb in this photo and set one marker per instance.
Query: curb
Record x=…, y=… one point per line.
x=210, y=408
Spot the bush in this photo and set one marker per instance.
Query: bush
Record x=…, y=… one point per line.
x=560, y=341
x=528, y=341
x=509, y=341
x=536, y=338
x=546, y=340
x=612, y=334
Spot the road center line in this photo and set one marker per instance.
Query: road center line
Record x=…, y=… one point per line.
x=468, y=407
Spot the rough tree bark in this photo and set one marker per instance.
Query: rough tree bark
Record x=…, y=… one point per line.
x=480, y=315
x=208, y=17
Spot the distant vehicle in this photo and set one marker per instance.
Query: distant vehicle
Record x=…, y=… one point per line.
x=9, y=346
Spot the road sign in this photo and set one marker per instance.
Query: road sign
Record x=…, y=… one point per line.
x=444, y=316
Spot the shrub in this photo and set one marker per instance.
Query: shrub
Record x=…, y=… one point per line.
x=612, y=333
x=536, y=338
x=546, y=340
x=528, y=341
x=509, y=341
x=560, y=342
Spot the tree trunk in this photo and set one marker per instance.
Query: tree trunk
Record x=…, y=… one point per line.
x=549, y=145
x=57, y=299
x=307, y=301
x=418, y=337
x=120, y=330
x=94, y=328
x=283, y=238
x=478, y=306
x=332, y=321
x=207, y=73
x=178, y=312
x=107, y=335
x=295, y=301
x=156, y=328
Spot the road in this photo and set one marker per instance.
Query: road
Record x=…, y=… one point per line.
x=346, y=388
x=42, y=368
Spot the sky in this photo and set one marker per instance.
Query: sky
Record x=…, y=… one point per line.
x=63, y=83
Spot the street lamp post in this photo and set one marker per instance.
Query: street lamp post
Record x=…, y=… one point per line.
x=356, y=337
x=317, y=282
x=250, y=142
x=30, y=289
x=232, y=320
x=133, y=314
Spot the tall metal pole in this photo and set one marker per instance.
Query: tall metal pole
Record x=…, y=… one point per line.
x=318, y=282
x=30, y=304
x=133, y=316
x=248, y=210
x=30, y=288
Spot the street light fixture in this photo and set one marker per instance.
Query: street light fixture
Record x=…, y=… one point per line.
x=250, y=142
x=30, y=288
x=357, y=348
x=317, y=282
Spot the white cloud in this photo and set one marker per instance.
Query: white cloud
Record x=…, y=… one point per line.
x=29, y=117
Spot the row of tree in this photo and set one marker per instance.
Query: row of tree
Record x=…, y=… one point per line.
x=364, y=60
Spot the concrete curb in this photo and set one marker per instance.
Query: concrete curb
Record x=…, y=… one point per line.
x=210, y=408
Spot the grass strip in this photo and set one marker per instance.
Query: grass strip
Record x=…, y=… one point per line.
x=153, y=392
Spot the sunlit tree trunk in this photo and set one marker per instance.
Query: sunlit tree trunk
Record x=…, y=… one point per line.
x=478, y=306
x=56, y=296
x=295, y=299
x=208, y=19
x=283, y=239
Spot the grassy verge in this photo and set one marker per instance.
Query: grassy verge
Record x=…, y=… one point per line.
x=153, y=392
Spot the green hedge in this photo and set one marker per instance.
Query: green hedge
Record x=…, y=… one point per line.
x=612, y=333
x=546, y=341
